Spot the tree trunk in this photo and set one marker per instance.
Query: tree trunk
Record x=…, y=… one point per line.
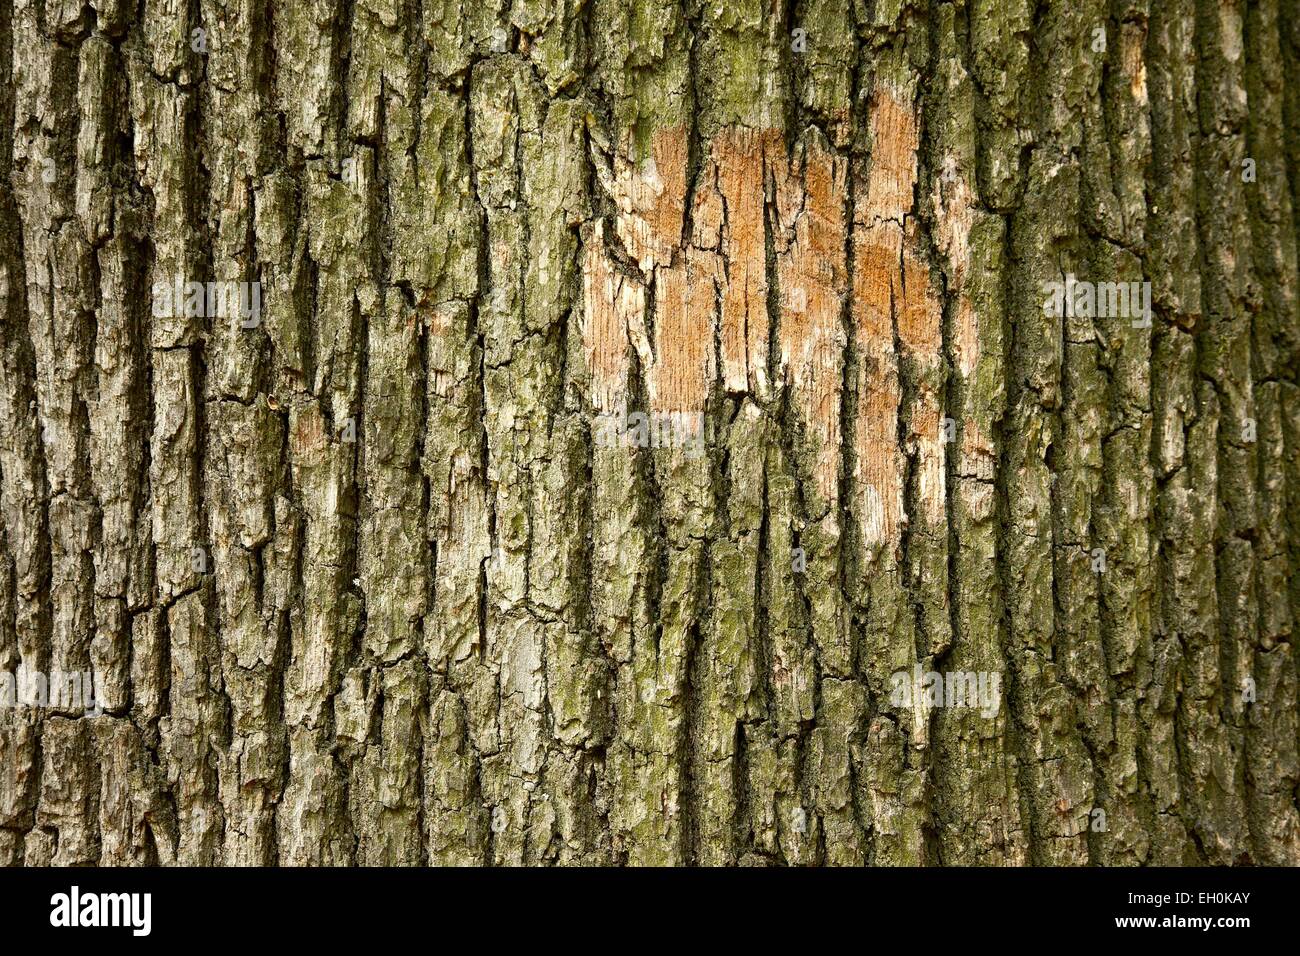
x=628, y=432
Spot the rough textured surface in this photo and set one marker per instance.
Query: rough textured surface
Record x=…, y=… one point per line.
x=359, y=583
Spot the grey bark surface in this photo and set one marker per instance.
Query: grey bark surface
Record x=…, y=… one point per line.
x=361, y=585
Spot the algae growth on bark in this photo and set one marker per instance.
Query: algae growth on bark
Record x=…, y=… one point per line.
x=649, y=432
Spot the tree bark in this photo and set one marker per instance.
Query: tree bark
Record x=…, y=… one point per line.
x=361, y=582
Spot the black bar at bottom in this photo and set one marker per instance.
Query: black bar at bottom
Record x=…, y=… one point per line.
x=226, y=907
